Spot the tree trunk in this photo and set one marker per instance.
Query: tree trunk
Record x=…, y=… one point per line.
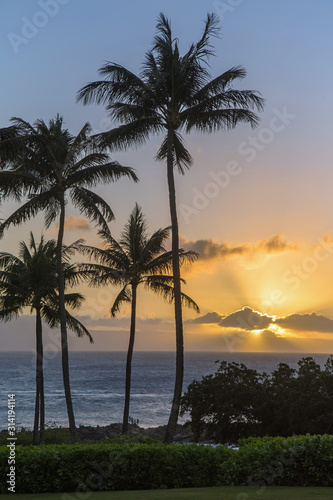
x=172, y=423
x=129, y=362
x=39, y=437
x=35, y=438
x=40, y=355
x=63, y=325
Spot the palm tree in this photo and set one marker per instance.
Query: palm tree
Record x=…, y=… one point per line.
x=49, y=163
x=136, y=259
x=174, y=93
x=30, y=280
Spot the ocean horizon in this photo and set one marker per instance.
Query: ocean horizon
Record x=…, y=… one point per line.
x=98, y=380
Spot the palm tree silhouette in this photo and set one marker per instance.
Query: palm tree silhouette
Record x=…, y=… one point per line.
x=47, y=164
x=30, y=280
x=136, y=259
x=174, y=93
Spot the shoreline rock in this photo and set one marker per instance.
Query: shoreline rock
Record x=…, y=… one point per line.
x=112, y=431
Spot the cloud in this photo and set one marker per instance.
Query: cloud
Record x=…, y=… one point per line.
x=306, y=322
x=243, y=319
x=211, y=317
x=269, y=334
x=212, y=249
x=108, y=323
x=73, y=223
x=247, y=319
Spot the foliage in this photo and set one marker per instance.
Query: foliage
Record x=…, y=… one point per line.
x=238, y=402
x=174, y=92
x=123, y=465
x=127, y=465
x=293, y=461
x=48, y=164
x=135, y=259
x=30, y=280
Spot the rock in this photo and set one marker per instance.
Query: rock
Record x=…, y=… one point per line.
x=112, y=431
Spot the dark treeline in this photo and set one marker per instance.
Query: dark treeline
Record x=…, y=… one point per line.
x=238, y=402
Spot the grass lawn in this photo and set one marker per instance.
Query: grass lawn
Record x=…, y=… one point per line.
x=225, y=493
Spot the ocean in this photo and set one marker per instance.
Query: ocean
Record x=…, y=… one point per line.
x=98, y=378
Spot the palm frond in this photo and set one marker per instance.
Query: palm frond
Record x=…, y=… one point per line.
x=78, y=144
x=101, y=275
x=15, y=184
x=166, y=291
x=112, y=256
x=219, y=84
x=181, y=155
x=125, y=295
x=222, y=119
x=154, y=245
x=203, y=48
x=130, y=134
x=96, y=172
x=27, y=211
x=52, y=318
x=8, y=313
x=7, y=260
x=134, y=235
x=119, y=83
x=91, y=205
x=76, y=326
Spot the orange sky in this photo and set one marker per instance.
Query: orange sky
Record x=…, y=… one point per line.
x=266, y=295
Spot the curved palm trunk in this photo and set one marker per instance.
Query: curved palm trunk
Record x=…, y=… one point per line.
x=35, y=439
x=129, y=362
x=40, y=401
x=36, y=420
x=63, y=325
x=172, y=423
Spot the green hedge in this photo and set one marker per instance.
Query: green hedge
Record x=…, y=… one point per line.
x=298, y=461
x=294, y=461
x=117, y=466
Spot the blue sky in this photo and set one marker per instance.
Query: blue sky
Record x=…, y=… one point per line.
x=50, y=49
x=284, y=45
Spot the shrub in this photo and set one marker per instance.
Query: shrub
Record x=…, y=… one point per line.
x=293, y=461
x=121, y=465
x=127, y=465
x=238, y=402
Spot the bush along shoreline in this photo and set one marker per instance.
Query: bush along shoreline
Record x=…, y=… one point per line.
x=131, y=463
x=87, y=434
x=238, y=402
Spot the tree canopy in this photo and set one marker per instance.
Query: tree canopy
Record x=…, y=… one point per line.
x=238, y=402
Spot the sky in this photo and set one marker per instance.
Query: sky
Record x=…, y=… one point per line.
x=256, y=204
